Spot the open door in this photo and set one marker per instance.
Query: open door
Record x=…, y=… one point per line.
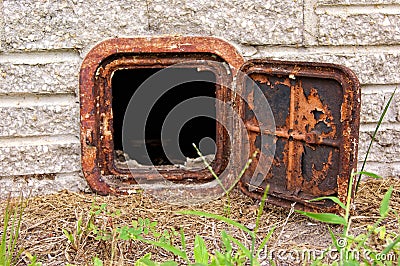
x=114, y=71
x=301, y=119
x=313, y=148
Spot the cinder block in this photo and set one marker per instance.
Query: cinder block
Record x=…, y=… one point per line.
x=374, y=67
x=357, y=2
x=42, y=25
x=39, y=120
x=77, y=24
x=373, y=104
x=359, y=29
x=32, y=158
x=371, y=107
x=396, y=105
x=244, y=22
x=385, y=149
x=382, y=169
x=1, y=26
x=46, y=184
x=49, y=78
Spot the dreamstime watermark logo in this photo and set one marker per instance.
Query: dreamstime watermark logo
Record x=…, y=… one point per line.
x=287, y=255
x=226, y=114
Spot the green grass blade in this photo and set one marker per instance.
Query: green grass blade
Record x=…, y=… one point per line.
x=11, y=239
x=169, y=263
x=374, y=135
x=174, y=250
x=68, y=235
x=370, y=174
x=265, y=241
x=3, y=244
x=240, y=245
x=200, y=250
x=334, y=199
x=391, y=246
x=79, y=226
x=334, y=239
x=226, y=241
x=217, y=217
x=97, y=262
x=183, y=239
x=16, y=230
x=324, y=217
x=247, y=165
x=384, y=208
x=258, y=218
x=261, y=208
x=144, y=262
x=210, y=169
x=350, y=194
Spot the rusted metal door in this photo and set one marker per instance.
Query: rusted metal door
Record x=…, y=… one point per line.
x=316, y=112
x=97, y=132
x=306, y=136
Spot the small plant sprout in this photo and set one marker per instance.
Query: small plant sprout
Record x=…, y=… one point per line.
x=201, y=256
x=245, y=254
x=9, y=254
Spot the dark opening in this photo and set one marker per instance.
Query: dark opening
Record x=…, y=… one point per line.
x=125, y=82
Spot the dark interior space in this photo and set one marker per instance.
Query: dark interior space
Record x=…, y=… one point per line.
x=125, y=83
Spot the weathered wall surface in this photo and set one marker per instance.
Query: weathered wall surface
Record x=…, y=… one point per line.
x=42, y=44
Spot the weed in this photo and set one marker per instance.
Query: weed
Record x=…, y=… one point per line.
x=245, y=253
x=201, y=256
x=145, y=231
x=75, y=237
x=348, y=245
x=107, y=231
x=9, y=254
x=97, y=262
x=89, y=228
x=139, y=228
x=32, y=259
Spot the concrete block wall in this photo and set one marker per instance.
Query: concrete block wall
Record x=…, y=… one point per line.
x=42, y=44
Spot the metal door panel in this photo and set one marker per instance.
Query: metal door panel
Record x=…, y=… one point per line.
x=316, y=112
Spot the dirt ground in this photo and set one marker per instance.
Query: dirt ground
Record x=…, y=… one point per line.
x=45, y=217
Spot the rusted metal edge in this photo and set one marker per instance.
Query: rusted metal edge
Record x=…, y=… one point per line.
x=350, y=121
x=89, y=97
x=108, y=163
